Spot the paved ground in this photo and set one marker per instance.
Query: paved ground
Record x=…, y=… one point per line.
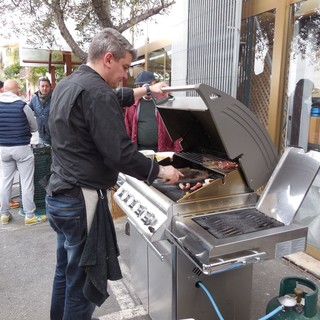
x=27, y=265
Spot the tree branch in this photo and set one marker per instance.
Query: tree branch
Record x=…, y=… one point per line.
x=59, y=20
x=144, y=16
x=102, y=10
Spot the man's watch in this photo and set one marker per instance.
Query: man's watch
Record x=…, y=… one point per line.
x=148, y=89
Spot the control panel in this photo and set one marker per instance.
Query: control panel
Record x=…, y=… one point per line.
x=141, y=211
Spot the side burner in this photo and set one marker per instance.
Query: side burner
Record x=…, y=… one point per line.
x=235, y=223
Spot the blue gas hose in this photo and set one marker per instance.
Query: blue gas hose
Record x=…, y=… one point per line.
x=201, y=285
x=272, y=313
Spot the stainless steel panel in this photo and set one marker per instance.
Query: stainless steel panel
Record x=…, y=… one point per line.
x=231, y=291
x=160, y=283
x=289, y=184
x=139, y=266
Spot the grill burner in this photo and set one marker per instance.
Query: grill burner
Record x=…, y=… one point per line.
x=236, y=223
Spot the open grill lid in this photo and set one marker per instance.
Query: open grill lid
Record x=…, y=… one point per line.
x=216, y=123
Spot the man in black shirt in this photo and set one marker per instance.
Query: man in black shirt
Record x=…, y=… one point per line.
x=90, y=147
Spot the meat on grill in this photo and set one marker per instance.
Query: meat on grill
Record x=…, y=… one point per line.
x=223, y=165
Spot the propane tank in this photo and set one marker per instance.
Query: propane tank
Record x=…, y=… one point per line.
x=314, y=126
x=299, y=303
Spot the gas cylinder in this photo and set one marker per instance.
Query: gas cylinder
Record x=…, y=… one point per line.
x=314, y=126
x=299, y=297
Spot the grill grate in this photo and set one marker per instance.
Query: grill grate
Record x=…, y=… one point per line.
x=204, y=159
x=235, y=223
x=198, y=158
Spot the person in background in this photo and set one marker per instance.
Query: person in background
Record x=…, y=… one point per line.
x=16, y=124
x=90, y=146
x=13, y=204
x=40, y=104
x=143, y=121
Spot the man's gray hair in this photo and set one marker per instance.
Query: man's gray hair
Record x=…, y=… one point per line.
x=110, y=40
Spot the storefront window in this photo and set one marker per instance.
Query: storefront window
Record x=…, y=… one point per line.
x=160, y=64
x=302, y=96
x=157, y=61
x=256, y=50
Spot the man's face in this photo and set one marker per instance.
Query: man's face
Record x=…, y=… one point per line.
x=44, y=87
x=118, y=70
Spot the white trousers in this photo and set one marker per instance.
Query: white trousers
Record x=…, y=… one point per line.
x=19, y=158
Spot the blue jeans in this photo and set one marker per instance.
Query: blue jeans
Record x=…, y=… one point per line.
x=67, y=217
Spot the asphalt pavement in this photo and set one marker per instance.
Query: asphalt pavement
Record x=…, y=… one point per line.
x=27, y=267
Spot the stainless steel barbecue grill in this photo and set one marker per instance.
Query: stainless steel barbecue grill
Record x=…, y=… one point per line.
x=180, y=235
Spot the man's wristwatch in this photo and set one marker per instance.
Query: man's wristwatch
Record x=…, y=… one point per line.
x=148, y=89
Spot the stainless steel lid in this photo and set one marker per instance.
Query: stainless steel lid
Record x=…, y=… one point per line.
x=216, y=122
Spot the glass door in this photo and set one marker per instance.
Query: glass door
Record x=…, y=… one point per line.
x=302, y=89
x=255, y=69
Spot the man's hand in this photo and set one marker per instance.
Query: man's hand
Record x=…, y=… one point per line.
x=156, y=88
x=170, y=174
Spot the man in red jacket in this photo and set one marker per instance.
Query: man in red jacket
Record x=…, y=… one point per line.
x=144, y=124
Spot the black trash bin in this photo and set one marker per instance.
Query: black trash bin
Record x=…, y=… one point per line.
x=42, y=163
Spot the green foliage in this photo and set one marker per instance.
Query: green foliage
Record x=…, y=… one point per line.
x=43, y=23
x=12, y=71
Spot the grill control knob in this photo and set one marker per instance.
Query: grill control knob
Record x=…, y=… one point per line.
x=121, y=193
x=149, y=218
x=124, y=195
x=136, y=207
x=129, y=200
x=141, y=212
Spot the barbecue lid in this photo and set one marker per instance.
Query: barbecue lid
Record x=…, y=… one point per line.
x=216, y=122
x=289, y=184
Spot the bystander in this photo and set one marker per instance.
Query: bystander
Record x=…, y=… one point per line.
x=16, y=124
x=40, y=104
x=144, y=123
x=13, y=204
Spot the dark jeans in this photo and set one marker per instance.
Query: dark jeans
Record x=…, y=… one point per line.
x=66, y=215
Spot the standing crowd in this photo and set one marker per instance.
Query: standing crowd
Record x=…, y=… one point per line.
x=91, y=143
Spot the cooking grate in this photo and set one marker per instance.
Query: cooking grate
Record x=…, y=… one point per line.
x=235, y=223
x=206, y=160
x=198, y=158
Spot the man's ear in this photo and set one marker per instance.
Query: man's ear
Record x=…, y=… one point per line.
x=108, y=57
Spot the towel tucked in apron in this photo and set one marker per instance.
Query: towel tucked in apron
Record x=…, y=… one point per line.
x=100, y=254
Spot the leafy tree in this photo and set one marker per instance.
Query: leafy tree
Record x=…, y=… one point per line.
x=12, y=71
x=76, y=20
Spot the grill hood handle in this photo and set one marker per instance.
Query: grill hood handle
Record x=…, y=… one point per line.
x=180, y=88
